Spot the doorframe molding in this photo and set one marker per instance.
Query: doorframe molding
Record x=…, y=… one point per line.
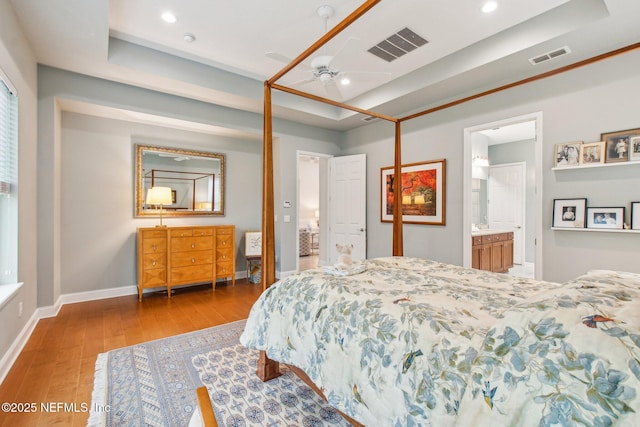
x=466, y=187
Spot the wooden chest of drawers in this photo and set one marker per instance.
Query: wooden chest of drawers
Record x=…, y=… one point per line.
x=172, y=256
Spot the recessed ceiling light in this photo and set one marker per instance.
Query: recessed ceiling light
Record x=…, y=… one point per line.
x=169, y=17
x=189, y=38
x=489, y=6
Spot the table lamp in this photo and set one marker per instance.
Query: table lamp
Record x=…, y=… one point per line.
x=159, y=196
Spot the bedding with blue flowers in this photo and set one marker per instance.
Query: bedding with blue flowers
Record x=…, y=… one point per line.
x=414, y=342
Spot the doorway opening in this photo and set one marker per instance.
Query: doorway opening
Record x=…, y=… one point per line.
x=325, y=221
x=312, y=169
x=503, y=162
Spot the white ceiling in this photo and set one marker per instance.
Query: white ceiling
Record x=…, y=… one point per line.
x=468, y=51
x=510, y=133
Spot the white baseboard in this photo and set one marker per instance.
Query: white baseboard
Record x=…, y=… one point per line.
x=10, y=357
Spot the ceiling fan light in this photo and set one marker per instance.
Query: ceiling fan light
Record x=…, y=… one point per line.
x=325, y=77
x=344, y=81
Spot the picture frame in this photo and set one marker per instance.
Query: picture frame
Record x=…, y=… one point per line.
x=569, y=213
x=608, y=217
x=635, y=215
x=618, y=144
x=592, y=153
x=174, y=196
x=568, y=154
x=634, y=148
x=253, y=243
x=423, y=193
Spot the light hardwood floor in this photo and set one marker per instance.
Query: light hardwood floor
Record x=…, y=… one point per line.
x=57, y=364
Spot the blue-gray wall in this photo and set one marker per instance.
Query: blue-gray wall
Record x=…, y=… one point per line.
x=86, y=213
x=577, y=105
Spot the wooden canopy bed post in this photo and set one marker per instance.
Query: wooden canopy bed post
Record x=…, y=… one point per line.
x=267, y=368
x=398, y=245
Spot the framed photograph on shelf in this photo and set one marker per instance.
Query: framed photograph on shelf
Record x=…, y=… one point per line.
x=592, y=153
x=605, y=217
x=634, y=148
x=635, y=215
x=569, y=213
x=423, y=188
x=568, y=154
x=618, y=144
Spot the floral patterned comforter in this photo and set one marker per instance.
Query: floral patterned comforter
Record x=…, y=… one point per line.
x=416, y=342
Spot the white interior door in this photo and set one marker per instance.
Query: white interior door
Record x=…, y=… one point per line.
x=506, y=202
x=348, y=205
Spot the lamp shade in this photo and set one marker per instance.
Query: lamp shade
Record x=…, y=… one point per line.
x=159, y=196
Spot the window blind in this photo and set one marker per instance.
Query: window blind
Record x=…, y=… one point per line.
x=8, y=139
x=8, y=189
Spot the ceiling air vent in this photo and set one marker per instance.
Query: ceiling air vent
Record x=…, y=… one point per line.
x=369, y=118
x=550, y=55
x=397, y=45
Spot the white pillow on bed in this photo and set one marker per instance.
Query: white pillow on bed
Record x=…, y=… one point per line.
x=625, y=277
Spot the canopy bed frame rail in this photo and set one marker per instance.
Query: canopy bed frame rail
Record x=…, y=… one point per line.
x=160, y=174
x=267, y=368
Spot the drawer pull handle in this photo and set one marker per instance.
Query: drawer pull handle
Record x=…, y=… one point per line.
x=193, y=245
x=193, y=260
x=154, y=247
x=181, y=234
x=153, y=263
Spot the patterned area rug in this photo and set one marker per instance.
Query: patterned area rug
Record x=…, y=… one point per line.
x=154, y=384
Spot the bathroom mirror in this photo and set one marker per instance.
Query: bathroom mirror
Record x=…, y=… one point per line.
x=196, y=179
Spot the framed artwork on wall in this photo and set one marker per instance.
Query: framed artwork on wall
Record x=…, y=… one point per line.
x=635, y=215
x=569, y=213
x=568, y=154
x=253, y=243
x=618, y=144
x=423, y=190
x=605, y=217
x=592, y=153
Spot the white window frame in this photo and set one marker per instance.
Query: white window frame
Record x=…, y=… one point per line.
x=8, y=190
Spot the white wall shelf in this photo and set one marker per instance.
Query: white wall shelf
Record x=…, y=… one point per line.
x=599, y=230
x=596, y=165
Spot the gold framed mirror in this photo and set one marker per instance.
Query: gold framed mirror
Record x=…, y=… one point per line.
x=196, y=180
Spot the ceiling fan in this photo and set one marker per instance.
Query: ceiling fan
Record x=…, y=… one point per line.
x=322, y=69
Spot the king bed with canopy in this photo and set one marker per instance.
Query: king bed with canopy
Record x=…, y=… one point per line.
x=499, y=338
